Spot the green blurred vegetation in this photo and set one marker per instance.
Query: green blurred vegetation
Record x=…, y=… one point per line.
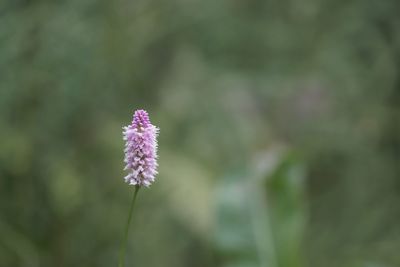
x=279, y=143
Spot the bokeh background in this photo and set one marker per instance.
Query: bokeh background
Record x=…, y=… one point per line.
x=279, y=143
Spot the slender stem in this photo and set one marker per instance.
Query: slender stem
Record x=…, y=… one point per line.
x=125, y=240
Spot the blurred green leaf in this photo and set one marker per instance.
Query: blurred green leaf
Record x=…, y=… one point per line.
x=262, y=213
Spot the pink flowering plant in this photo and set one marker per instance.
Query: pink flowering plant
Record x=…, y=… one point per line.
x=141, y=150
x=140, y=159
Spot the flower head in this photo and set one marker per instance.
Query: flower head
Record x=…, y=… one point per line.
x=140, y=150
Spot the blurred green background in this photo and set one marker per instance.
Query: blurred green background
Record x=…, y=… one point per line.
x=279, y=142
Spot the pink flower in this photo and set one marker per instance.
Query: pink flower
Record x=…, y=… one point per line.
x=140, y=150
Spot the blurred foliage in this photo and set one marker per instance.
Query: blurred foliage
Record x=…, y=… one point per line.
x=225, y=81
x=261, y=218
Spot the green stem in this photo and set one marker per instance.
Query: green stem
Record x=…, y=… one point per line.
x=125, y=240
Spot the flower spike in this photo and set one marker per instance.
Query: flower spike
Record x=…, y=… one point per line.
x=140, y=150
